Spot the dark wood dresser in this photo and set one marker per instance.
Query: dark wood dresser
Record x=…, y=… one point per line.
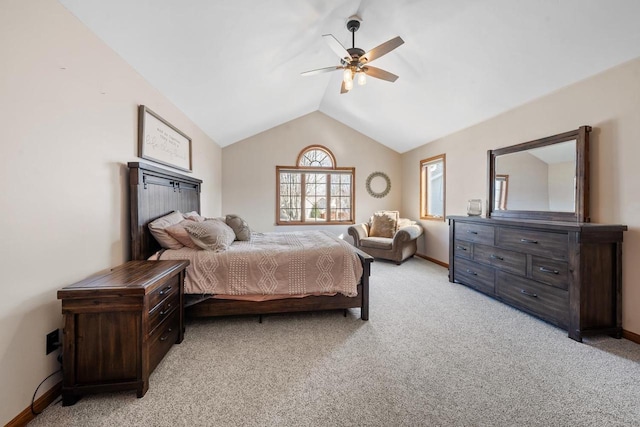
x=118, y=326
x=568, y=274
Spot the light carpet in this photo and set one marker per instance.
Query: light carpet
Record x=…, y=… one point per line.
x=432, y=354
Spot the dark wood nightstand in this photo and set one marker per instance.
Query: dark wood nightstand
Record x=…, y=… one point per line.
x=118, y=326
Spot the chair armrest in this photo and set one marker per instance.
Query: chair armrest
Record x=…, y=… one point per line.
x=408, y=233
x=358, y=231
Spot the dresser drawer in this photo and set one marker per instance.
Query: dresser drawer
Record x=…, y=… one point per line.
x=163, y=310
x=546, y=244
x=462, y=249
x=162, y=339
x=476, y=233
x=475, y=275
x=514, y=262
x=155, y=297
x=549, y=303
x=550, y=271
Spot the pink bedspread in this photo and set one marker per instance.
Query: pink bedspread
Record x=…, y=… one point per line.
x=290, y=263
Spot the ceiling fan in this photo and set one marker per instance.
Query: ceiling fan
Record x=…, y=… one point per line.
x=354, y=61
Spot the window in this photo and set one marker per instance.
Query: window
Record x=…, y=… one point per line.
x=432, y=187
x=315, y=190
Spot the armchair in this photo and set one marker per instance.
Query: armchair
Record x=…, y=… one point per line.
x=397, y=248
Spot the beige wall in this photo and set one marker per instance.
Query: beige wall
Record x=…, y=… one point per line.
x=249, y=176
x=66, y=136
x=610, y=103
x=527, y=187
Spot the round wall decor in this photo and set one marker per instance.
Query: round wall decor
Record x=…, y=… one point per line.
x=378, y=176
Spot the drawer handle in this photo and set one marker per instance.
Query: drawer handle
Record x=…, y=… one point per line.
x=535, y=242
x=496, y=257
x=472, y=232
x=166, y=310
x=164, y=338
x=462, y=248
x=528, y=294
x=165, y=290
x=546, y=270
x=472, y=272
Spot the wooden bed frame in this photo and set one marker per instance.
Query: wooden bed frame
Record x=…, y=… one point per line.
x=155, y=192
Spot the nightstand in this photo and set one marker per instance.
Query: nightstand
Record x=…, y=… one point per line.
x=118, y=326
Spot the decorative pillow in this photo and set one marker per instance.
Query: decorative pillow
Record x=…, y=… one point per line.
x=239, y=227
x=384, y=224
x=158, y=230
x=211, y=235
x=178, y=232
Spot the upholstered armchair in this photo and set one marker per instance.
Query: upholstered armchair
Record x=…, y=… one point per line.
x=395, y=242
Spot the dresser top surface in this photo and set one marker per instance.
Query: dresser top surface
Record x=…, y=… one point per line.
x=133, y=277
x=540, y=224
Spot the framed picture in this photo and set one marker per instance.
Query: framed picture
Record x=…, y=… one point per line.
x=161, y=142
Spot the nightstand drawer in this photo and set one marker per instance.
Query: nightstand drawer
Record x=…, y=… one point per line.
x=163, y=310
x=549, y=303
x=163, y=338
x=172, y=285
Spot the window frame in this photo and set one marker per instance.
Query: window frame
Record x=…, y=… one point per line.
x=328, y=171
x=424, y=188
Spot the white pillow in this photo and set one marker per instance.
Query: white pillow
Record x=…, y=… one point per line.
x=158, y=230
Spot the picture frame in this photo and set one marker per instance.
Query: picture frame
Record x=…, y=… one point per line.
x=161, y=142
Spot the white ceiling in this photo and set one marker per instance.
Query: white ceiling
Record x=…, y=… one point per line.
x=233, y=66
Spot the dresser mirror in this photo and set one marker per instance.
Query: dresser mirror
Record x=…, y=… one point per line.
x=545, y=179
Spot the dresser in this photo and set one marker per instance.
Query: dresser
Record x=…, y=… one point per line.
x=118, y=326
x=568, y=274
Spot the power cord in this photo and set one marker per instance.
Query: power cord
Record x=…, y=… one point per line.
x=33, y=399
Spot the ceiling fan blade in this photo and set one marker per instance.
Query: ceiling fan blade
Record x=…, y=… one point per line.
x=383, y=49
x=320, y=71
x=343, y=89
x=337, y=47
x=380, y=74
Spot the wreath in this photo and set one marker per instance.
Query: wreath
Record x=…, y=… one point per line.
x=383, y=192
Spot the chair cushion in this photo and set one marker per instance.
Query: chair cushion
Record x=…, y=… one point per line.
x=384, y=224
x=377, y=242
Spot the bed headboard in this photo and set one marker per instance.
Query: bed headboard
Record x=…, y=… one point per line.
x=154, y=192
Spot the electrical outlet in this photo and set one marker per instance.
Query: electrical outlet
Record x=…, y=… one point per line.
x=53, y=341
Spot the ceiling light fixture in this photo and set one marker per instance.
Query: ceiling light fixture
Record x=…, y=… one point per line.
x=354, y=61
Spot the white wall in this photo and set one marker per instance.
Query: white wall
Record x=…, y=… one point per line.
x=610, y=103
x=68, y=112
x=249, y=169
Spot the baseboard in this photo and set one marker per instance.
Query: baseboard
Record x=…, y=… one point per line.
x=631, y=336
x=42, y=402
x=433, y=260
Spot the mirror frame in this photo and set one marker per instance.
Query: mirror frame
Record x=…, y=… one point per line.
x=581, y=208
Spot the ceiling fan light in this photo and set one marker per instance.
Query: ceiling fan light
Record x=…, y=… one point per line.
x=348, y=85
x=362, y=78
x=347, y=76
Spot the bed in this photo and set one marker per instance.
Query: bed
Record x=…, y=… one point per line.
x=155, y=192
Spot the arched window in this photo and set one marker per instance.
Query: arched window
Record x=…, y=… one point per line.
x=315, y=190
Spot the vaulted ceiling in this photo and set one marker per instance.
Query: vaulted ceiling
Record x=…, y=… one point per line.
x=233, y=66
